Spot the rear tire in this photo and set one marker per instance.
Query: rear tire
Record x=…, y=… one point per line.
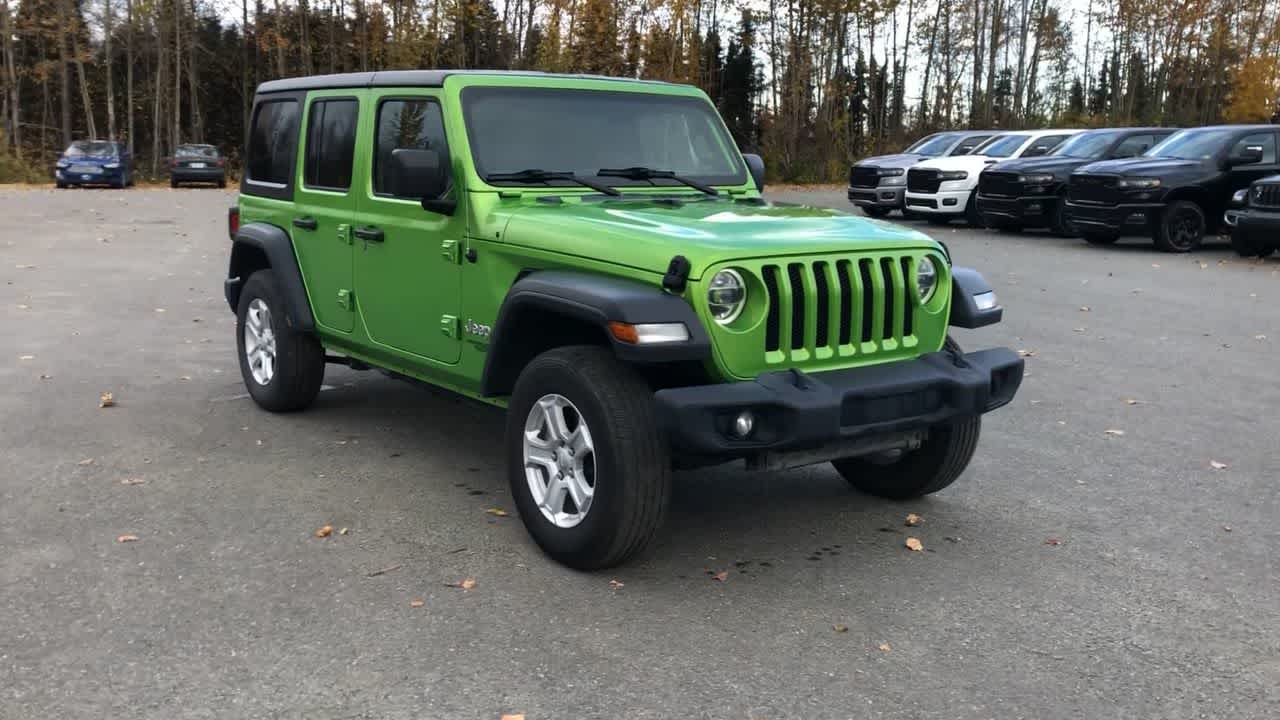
x=286, y=375
x=875, y=212
x=629, y=486
x=938, y=462
x=173, y=183
x=60, y=185
x=1182, y=227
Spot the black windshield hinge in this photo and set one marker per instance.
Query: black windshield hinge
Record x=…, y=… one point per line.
x=677, y=276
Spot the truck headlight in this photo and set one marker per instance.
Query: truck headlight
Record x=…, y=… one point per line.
x=1138, y=183
x=926, y=279
x=1037, y=179
x=953, y=175
x=726, y=296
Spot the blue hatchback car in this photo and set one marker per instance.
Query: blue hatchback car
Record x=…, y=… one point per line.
x=95, y=162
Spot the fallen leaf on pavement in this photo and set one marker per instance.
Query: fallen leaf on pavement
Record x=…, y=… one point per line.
x=127, y=538
x=1084, y=308
x=159, y=310
x=132, y=481
x=1113, y=431
x=1053, y=541
x=517, y=716
x=840, y=628
x=1027, y=353
x=1259, y=336
x=344, y=531
x=86, y=461
x=466, y=584
x=325, y=531
x=497, y=511
x=107, y=400
x=417, y=602
x=721, y=576
x=1132, y=401
x=25, y=267
x=615, y=584
x=1227, y=528
x=914, y=544
x=1216, y=465
x=884, y=647
x=913, y=520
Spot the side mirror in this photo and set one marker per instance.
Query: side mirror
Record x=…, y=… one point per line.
x=1250, y=155
x=419, y=174
x=755, y=164
x=1036, y=151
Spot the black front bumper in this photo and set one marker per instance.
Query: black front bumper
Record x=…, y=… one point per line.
x=1255, y=224
x=794, y=410
x=1031, y=210
x=1114, y=219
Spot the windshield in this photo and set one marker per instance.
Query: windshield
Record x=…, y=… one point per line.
x=1001, y=145
x=584, y=131
x=934, y=144
x=206, y=151
x=1086, y=145
x=1192, y=144
x=91, y=148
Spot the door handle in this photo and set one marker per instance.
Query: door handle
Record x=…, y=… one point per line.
x=368, y=234
x=306, y=223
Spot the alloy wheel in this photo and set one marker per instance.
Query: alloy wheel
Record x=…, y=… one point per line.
x=259, y=341
x=559, y=460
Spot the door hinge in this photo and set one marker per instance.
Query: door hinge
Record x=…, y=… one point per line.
x=449, y=250
x=344, y=234
x=346, y=299
x=449, y=326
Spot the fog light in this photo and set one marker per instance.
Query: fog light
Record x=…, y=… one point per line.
x=886, y=196
x=949, y=201
x=1034, y=208
x=744, y=424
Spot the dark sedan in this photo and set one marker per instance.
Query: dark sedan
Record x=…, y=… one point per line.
x=197, y=164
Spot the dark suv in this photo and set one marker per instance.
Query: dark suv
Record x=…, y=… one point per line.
x=1177, y=192
x=1028, y=192
x=1254, y=218
x=877, y=184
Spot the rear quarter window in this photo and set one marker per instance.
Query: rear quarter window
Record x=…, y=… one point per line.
x=273, y=141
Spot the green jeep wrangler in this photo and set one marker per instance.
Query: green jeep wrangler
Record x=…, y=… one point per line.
x=594, y=255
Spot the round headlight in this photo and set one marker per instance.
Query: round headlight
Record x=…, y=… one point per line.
x=726, y=296
x=926, y=279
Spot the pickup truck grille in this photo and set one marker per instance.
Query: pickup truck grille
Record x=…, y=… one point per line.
x=1096, y=189
x=817, y=307
x=1266, y=195
x=864, y=176
x=1000, y=184
x=921, y=180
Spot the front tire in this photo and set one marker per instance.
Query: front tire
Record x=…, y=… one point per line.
x=1181, y=228
x=589, y=469
x=972, y=215
x=937, y=463
x=282, y=367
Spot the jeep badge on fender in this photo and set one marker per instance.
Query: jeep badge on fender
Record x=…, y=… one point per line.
x=650, y=310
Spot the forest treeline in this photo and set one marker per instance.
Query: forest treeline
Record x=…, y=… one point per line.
x=810, y=84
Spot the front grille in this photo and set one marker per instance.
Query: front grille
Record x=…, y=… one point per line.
x=1266, y=195
x=818, y=307
x=1098, y=189
x=1000, y=184
x=923, y=180
x=864, y=176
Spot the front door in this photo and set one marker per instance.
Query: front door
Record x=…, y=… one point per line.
x=407, y=258
x=1242, y=176
x=324, y=203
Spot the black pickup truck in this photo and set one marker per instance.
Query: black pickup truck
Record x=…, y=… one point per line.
x=1254, y=218
x=1028, y=192
x=1177, y=192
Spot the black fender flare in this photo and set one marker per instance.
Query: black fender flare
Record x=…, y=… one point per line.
x=593, y=300
x=966, y=285
x=270, y=241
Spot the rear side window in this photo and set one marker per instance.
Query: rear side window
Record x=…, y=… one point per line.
x=1133, y=146
x=1043, y=146
x=273, y=137
x=407, y=124
x=967, y=145
x=331, y=143
x=1265, y=140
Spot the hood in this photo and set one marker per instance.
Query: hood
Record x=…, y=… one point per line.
x=972, y=163
x=1049, y=164
x=643, y=234
x=1141, y=166
x=900, y=160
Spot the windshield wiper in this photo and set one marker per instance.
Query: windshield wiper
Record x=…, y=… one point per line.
x=536, y=175
x=644, y=173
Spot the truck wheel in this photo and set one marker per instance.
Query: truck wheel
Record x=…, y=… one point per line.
x=1100, y=238
x=590, y=471
x=282, y=367
x=1059, y=223
x=1181, y=227
x=972, y=215
x=937, y=463
x=875, y=212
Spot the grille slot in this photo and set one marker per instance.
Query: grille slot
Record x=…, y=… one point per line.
x=1096, y=189
x=795, y=275
x=823, y=297
x=908, y=307
x=773, y=321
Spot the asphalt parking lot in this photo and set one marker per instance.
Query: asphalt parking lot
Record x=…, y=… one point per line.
x=1111, y=553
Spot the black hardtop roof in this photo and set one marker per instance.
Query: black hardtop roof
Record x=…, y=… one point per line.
x=413, y=78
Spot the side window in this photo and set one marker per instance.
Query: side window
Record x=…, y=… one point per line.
x=1265, y=140
x=1043, y=145
x=273, y=137
x=415, y=124
x=1133, y=146
x=967, y=145
x=331, y=144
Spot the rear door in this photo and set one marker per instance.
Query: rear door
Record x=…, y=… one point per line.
x=408, y=276
x=324, y=203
